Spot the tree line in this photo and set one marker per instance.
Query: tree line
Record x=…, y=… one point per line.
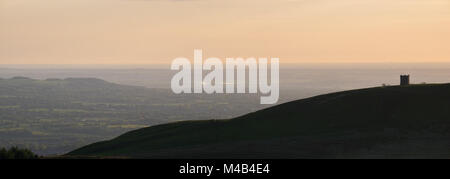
x=17, y=153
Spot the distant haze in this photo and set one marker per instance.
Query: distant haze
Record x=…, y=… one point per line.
x=296, y=81
x=157, y=31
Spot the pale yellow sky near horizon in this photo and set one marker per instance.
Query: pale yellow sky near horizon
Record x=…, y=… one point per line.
x=157, y=31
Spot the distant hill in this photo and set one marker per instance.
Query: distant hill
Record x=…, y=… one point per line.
x=384, y=122
x=55, y=116
x=58, y=115
x=84, y=88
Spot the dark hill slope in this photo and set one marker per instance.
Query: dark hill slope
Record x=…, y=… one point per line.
x=400, y=121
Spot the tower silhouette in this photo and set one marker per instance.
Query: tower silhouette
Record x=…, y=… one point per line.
x=404, y=80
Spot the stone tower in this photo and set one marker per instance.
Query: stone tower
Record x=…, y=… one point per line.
x=404, y=80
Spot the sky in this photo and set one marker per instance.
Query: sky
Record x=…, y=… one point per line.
x=157, y=31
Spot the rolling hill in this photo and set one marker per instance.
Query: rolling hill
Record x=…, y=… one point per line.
x=384, y=122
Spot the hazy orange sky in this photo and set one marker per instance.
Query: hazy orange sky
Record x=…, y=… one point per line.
x=157, y=31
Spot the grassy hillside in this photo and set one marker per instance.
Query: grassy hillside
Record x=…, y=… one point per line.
x=398, y=122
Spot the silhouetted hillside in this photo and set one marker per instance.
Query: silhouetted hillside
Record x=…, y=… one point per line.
x=410, y=121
